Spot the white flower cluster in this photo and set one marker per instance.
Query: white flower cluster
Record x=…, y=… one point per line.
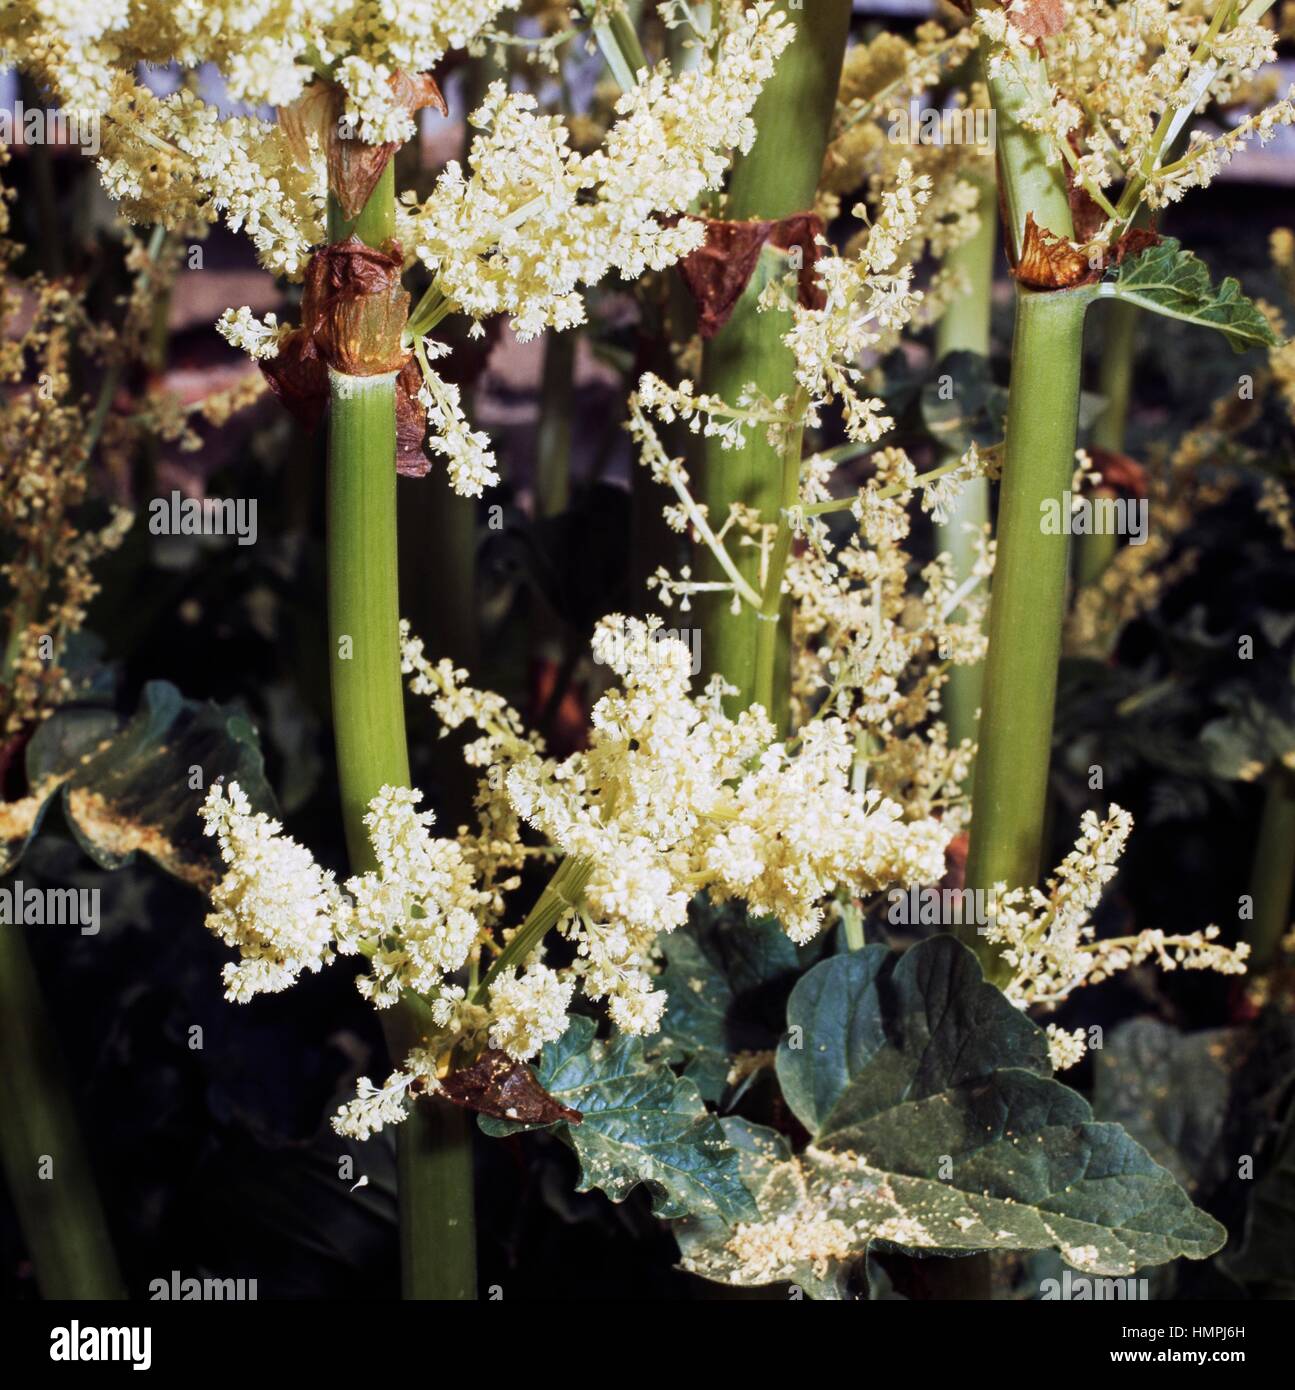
x=866, y=299
x=418, y=907
x=467, y=452
x=176, y=159
x=283, y=912
x=1046, y=938
x=534, y=219
x=267, y=52
x=673, y=797
x=259, y=338
x=413, y=915
x=1065, y=1049
x=375, y=1107
x=1114, y=87
x=529, y=1009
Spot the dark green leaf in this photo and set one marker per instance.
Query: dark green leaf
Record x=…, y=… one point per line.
x=727, y=977
x=1171, y=1092
x=1168, y=280
x=641, y=1124
x=936, y=1127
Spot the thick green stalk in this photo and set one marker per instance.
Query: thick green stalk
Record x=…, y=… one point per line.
x=1027, y=605
x=363, y=610
x=377, y=220
x=46, y=1169
x=964, y=327
x=1027, y=182
x=775, y=179
x=1029, y=593
x=437, y=1248
x=1273, y=873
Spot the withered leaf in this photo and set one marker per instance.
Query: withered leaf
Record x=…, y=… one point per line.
x=1087, y=216
x=354, y=307
x=354, y=167
x=720, y=269
x=298, y=376
x=1048, y=261
x=1134, y=242
x=497, y=1085
x=411, y=424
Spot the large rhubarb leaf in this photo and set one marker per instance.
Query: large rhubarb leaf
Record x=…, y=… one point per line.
x=640, y=1124
x=1167, y=280
x=135, y=787
x=1171, y=1091
x=727, y=978
x=935, y=1128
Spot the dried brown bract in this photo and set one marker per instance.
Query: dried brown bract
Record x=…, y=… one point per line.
x=354, y=167
x=354, y=307
x=497, y=1085
x=1049, y=261
x=411, y=424
x=719, y=271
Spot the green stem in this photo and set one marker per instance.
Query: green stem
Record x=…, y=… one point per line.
x=1028, y=183
x=1095, y=552
x=777, y=178
x=437, y=1245
x=1027, y=603
x=376, y=223
x=964, y=327
x=560, y=894
x=619, y=44
x=1028, y=599
x=1028, y=595
x=50, y=1182
x=1273, y=873
x=363, y=611
x=553, y=436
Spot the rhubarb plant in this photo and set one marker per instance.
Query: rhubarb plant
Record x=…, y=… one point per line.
x=689, y=943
